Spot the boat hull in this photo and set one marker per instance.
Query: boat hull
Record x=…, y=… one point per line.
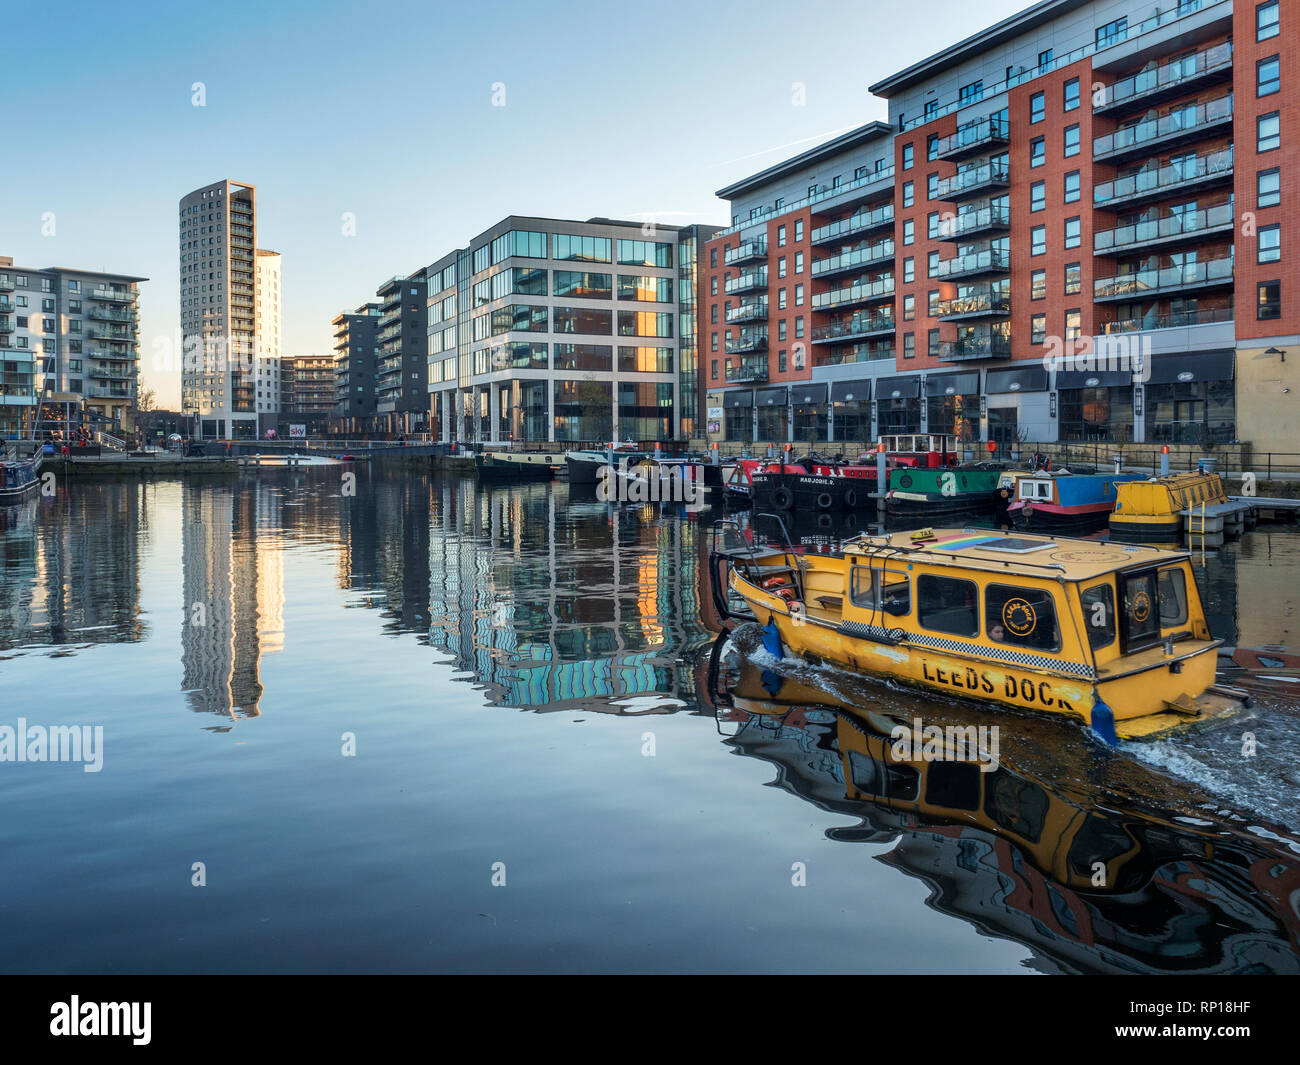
x=937, y=509
x=808, y=491
x=523, y=468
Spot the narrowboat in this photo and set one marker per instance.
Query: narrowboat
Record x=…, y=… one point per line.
x=1063, y=501
x=937, y=494
x=1112, y=635
x=1161, y=508
x=18, y=479
x=518, y=465
x=584, y=465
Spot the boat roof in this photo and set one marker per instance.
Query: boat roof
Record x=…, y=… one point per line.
x=1028, y=554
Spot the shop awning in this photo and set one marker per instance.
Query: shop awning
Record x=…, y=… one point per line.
x=898, y=387
x=1030, y=379
x=1093, y=378
x=811, y=392
x=850, y=391
x=737, y=397
x=952, y=384
x=770, y=397
x=1202, y=366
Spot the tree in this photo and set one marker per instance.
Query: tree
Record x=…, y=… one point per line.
x=145, y=413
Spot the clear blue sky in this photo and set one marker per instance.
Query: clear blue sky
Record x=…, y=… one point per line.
x=385, y=110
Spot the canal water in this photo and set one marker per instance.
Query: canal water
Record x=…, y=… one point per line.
x=442, y=725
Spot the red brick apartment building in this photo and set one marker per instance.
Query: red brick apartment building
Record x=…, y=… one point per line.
x=1071, y=228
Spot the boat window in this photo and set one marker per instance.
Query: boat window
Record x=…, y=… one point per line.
x=1173, y=597
x=1016, y=805
x=953, y=785
x=1141, y=610
x=947, y=604
x=864, y=773
x=1022, y=617
x=1035, y=489
x=1099, y=614
x=865, y=591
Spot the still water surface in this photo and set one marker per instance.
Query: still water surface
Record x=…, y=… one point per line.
x=531, y=679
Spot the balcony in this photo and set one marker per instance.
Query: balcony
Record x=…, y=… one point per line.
x=875, y=255
x=117, y=356
x=854, y=328
x=826, y=198
x=985, y=220
x=978, y=343
x=749, y=251
x=973, y=180
x=851, y=353
x=974, y=264
x=972, y=138
x=855, y=225
x=1177, y=127
x=1142, y=284
x=1172, y=229
x=6, y=285
x=753, y=311
x=1205, y=171
x=7, y=308
x=101, y=314
x=849, y=295
x=119, y=334
x=748, y=370
x=750, y=282
x=110, y=392
x=982, y=303
x=1150, y=86
x=747, y=342
x=107, y=294
x=1179, y=320
x=6, y=325
x=110, y=372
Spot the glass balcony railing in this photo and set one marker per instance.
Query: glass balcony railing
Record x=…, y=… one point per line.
x=1174, y=320
x=6, y=325
x=1187, y=224
x=850, y=294
x=976, y=344
x=851, y=353
x=1184, y=122
x=755, y=311
x=883, y=177
x=747, y=342
x=982, y=303
x=746, y=251
x=972, y=137
x=858, y=325
x=750, y=282
x=1170, y=78
x=974, y=179
x=861, y=222
x=1158, y=181
x=755, y=370
x=1143, y=283
x=880, y=252
x=970, y=223
x=988, y=261
x=108, y=293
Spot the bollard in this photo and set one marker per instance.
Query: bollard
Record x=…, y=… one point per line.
x=1164, y=461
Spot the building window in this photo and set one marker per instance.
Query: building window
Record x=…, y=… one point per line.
x=1071, y=141
x=714, y=364
x=780, y=329
x=780, y=236
x=798, y=326
x=1073, y=324
x=1037, y=107
x=779, y=204
x=798, y=230
x=969, y=93
x=1038, y=196
x=798, y=295
x=1112, y=32
x=1072, y=187
x=932, y=224
x=780, y=267
x=713, y=314
x=932, y=303
x=859, y=173
x=1038, y=285
x=798, y=262
x=1070, y=101
x=714, y=338
x=781, y=357
x=713, y=258
x=909, y=270
x=932, y=264
x=1037, y=151
x=931, y=109
x=780, y=299
x=932, y=146
x=909, y=345
x=909, y=308
x=1268, y=76
x=908, y=197
x=1072, y=232
x=1038, y=240
x=1038, y=329
x=1270, y=243
x=1073, y=279
x=1045, y=59
x=932, y=342
x=713, y=286
x=908, y=154
x=1269, y=301
x=1269, y=130
x=909, y=231
x=1266, y=20
x=1268, y=188
x=932, y=186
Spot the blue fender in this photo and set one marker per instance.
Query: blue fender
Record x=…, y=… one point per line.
x=1103, y=722
x=772, y=638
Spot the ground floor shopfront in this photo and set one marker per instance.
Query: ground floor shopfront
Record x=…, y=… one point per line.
x=1183, y=399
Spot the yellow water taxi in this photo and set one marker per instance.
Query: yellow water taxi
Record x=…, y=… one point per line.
x=1111, y=634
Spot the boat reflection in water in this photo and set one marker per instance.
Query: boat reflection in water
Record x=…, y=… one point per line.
x=1039, y=848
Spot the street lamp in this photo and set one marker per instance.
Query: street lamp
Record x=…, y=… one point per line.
x=1276, y=351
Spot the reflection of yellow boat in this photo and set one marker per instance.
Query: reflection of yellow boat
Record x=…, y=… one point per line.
x=1114, y=635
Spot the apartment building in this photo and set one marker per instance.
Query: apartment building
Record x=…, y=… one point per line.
x=356, y=353
x=69, y=341
x=1086, y=223
x=546, y=329
x=401, y=376
x=308, y=386
x=223, y=332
